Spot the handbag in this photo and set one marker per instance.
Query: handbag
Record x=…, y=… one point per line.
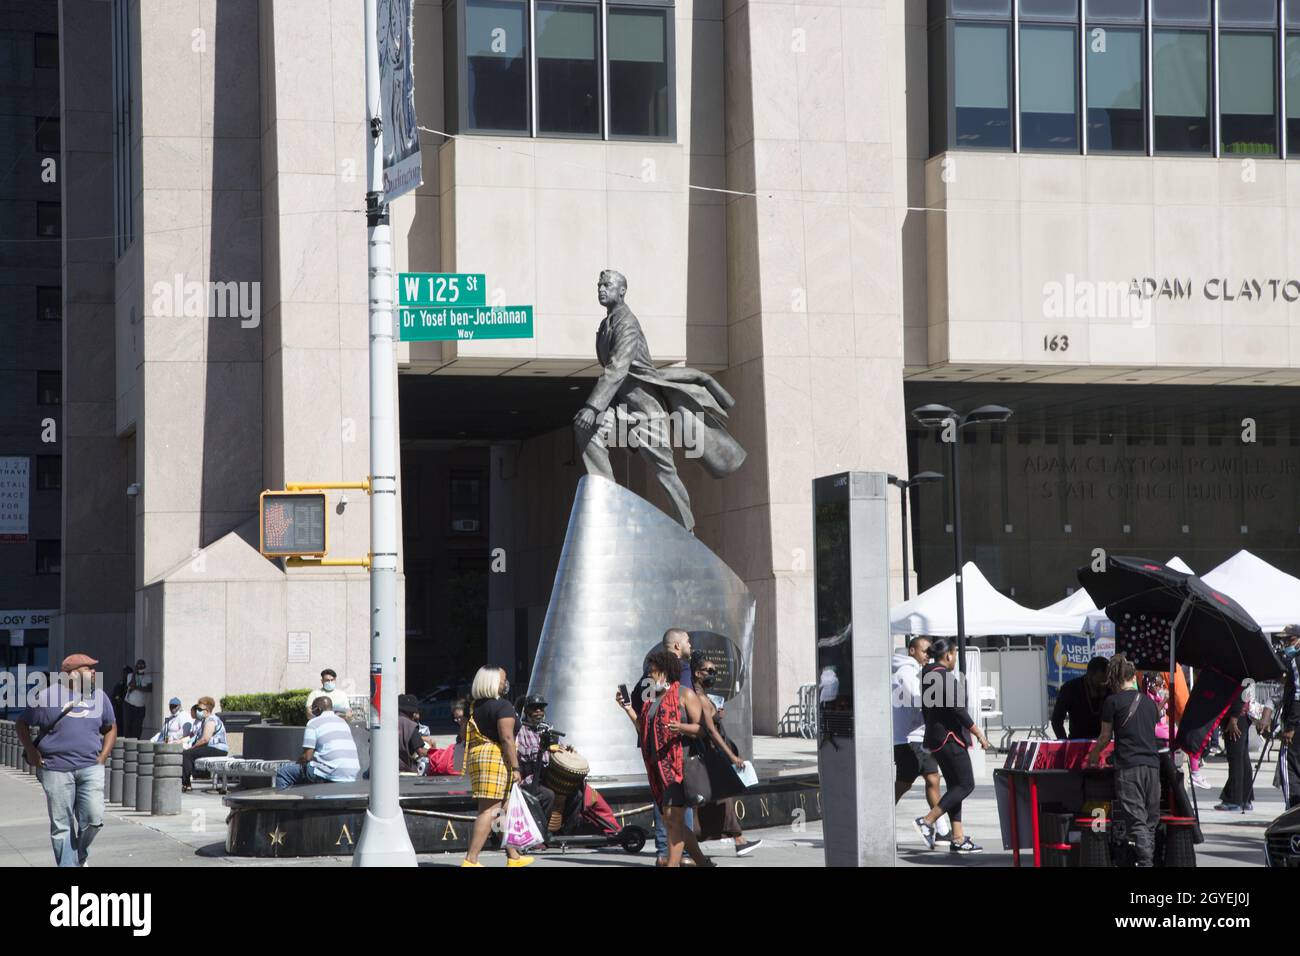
x=695, y=779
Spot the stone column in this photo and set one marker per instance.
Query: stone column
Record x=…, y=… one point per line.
x=144, y=776
x=130, y=765
x=115, y=760
x=166, y=779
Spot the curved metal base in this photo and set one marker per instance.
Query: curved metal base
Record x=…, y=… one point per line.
x=627, y=573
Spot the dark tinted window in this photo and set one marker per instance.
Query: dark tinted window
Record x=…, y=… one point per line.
x=47, y=51
x=49, y=303
x=49, y=219
x=638, y=71
x=496, y=51
x=568, y=68
x=47, y=134
x=49, y=388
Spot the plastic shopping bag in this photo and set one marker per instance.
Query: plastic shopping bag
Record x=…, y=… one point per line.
x=522, y=830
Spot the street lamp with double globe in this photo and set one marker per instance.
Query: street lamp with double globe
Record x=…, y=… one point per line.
x=951, y=423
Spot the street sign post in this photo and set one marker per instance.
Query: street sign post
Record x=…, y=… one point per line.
x=465, y=323
x=439, y=289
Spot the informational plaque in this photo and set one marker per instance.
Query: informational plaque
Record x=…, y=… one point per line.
x=293, y=524
x=300, y=647
x=15, y=488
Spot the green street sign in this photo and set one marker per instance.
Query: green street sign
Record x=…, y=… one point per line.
x=439, y=289
x=460, y=324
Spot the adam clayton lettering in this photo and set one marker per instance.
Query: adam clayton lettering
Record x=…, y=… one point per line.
x=77, y=909
x=1217, y=289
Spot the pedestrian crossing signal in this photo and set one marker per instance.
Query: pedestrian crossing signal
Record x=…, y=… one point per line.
x=293, y=524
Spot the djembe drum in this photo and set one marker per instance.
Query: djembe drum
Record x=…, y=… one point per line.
x=566, y=774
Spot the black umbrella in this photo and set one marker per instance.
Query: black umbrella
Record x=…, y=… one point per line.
x=1149, y=601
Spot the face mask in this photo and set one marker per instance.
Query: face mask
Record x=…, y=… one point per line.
x=505, y=691
x=661, y=686
x=328, y=685
x=1291, y=651
x=200, y=713
x=708, y=680
x=175, y=711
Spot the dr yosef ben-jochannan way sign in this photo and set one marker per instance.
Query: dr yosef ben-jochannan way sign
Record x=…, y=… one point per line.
x=452, y=323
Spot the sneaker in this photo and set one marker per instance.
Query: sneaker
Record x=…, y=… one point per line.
x=943, y=828
x=521, y=861
x=1248, y=808
x=926, y=831
x=468, y=863
x=1229, y=807
x=748, y=847
x=1199, y=781
x=966, y=846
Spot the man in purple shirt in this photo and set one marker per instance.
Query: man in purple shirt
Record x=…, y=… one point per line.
x=77, y=728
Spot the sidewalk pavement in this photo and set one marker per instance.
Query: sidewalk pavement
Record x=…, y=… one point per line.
x=196, y=837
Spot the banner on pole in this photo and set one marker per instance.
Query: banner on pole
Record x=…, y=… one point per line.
x=396, y=27
x=15, y=488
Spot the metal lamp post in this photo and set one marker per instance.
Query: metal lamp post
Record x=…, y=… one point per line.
x=941, y=416
x=384, y=840
x=904, y=485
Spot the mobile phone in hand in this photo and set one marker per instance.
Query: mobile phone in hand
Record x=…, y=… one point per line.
x=622, y=689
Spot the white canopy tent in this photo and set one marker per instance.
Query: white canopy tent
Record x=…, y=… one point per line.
x=934, y=612
x=1269, y=594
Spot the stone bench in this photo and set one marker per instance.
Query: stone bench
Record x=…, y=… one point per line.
x=224, y=769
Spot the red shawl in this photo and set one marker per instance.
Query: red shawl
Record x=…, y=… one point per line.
x=660, y=748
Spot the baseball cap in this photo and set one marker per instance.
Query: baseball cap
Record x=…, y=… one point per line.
x=534, y=700
x=174, y=702
x=1291, y=630
x=73, y=661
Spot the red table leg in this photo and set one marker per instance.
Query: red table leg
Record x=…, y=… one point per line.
x=1015, y=836
x=1033, y=815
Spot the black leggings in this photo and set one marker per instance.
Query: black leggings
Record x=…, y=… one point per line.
x=193, y=754
x=954, y=761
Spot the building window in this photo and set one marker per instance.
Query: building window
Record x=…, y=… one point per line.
x=970, y=67
x=1293, y=78
x=1180, y=55
x=49, y=303
x=47, y=134
x=1049, y=70
x=47, y=51
x=1116, y=60
x=1248, y=77
x=1201, y=77
x=466, y=499
x=48, y=556
x=496, y=50
x=123, y=180
x=568, y=68
x=49, y=472
x=49, y=220
x=49, y=388
x=639, y=96
x=581, y=68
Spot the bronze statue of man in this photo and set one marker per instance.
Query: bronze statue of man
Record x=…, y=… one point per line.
x=632, y=388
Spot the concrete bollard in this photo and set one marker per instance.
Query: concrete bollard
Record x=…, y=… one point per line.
x=130, y=766
x=144, y=776
x=166, y=779
x=115, y=771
